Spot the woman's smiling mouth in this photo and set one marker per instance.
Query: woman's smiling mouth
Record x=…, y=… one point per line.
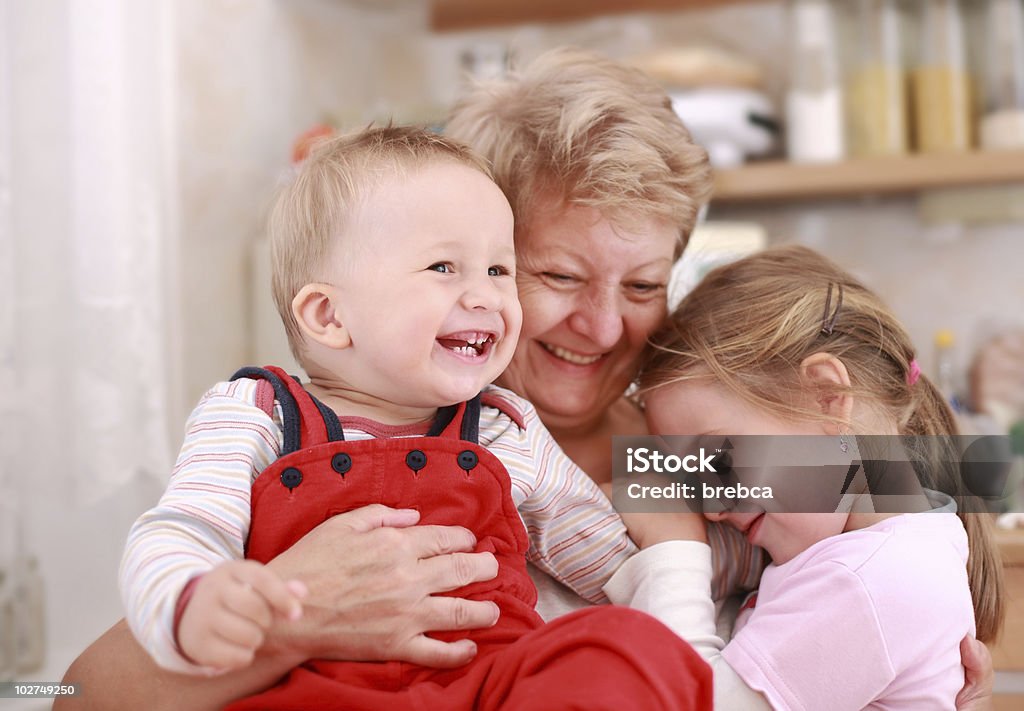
x=570, y=356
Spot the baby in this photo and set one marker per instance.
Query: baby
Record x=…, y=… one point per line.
x=394, y=273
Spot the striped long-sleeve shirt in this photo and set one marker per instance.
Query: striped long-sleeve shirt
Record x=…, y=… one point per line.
x=203, y=517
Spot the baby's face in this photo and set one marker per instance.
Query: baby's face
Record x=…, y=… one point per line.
x=705, y=408
x=426, y=287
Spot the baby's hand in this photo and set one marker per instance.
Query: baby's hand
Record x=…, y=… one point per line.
x=230, y=611
x=648, y=529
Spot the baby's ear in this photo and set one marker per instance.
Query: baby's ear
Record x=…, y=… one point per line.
x=316, y=313
x=829, y=380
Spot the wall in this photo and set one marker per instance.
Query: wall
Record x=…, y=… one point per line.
x=83, y=148
x=188, y=109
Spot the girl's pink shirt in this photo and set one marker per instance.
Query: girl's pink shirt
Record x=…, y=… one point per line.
x=867, y=619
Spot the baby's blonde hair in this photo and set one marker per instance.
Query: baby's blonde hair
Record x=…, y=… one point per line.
x=312, y=209
x=749, y=325
x=584, y=130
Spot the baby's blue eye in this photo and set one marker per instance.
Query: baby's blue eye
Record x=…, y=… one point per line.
x=442, y=267
x=498, y=270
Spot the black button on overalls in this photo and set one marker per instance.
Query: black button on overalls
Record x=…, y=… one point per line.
x=416, y=460
x=341, y=463
x=467, y=459
x=291, y=477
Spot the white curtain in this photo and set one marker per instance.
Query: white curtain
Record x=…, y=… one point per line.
x=88, y=248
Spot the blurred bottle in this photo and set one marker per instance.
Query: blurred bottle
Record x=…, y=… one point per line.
x=997, y=378
x=7, y=638
x=877, y=101
x=940, y=83
x=996, y=394
x=945, y=367
x=9, y=537
x=1002, y=127
x=814, y=103
x=484, y=61
x=1016, y=500
x=29, y=613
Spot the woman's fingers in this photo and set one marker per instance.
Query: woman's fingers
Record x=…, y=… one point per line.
x=374, y=516
x=373, y=582
x=443, y=614
x=976, y=695
x=444, y=573
x=429, y=652
x=428, y=541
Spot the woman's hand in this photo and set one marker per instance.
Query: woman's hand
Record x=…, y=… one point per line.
x=979, y=677
x=372, y=577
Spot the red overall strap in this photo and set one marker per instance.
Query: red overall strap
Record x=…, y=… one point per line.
x=313, y=429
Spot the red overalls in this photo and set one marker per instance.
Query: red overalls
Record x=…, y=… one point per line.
x=602, y=657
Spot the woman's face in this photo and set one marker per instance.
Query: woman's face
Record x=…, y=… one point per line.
x=591, y=294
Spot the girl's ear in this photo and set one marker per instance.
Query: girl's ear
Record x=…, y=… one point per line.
x=316, y=313
x=828, y=380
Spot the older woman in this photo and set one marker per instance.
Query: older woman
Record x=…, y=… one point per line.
x=605, y=184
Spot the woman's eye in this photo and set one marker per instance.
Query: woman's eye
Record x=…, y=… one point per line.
x=559, y=278
x=442, y=267
x=498, y=270
x=644, y=287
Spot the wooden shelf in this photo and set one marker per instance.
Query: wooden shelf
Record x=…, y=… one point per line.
x=468, y=14
x=781, y=181
x=767, y=181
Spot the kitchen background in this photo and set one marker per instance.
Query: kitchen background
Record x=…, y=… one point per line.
x=140, y=140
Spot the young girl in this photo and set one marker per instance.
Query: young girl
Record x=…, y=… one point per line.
x=858, y=609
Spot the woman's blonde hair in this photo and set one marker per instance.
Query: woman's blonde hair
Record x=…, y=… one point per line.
x=312, y=209
x=584, y=130
x=749, y=325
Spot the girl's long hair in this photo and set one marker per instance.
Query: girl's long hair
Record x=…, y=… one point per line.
x=748, y=326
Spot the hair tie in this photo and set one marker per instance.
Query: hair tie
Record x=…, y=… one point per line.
x=914, y=372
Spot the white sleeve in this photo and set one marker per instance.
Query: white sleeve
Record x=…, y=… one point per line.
x=671, y=581
x=201, y=520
